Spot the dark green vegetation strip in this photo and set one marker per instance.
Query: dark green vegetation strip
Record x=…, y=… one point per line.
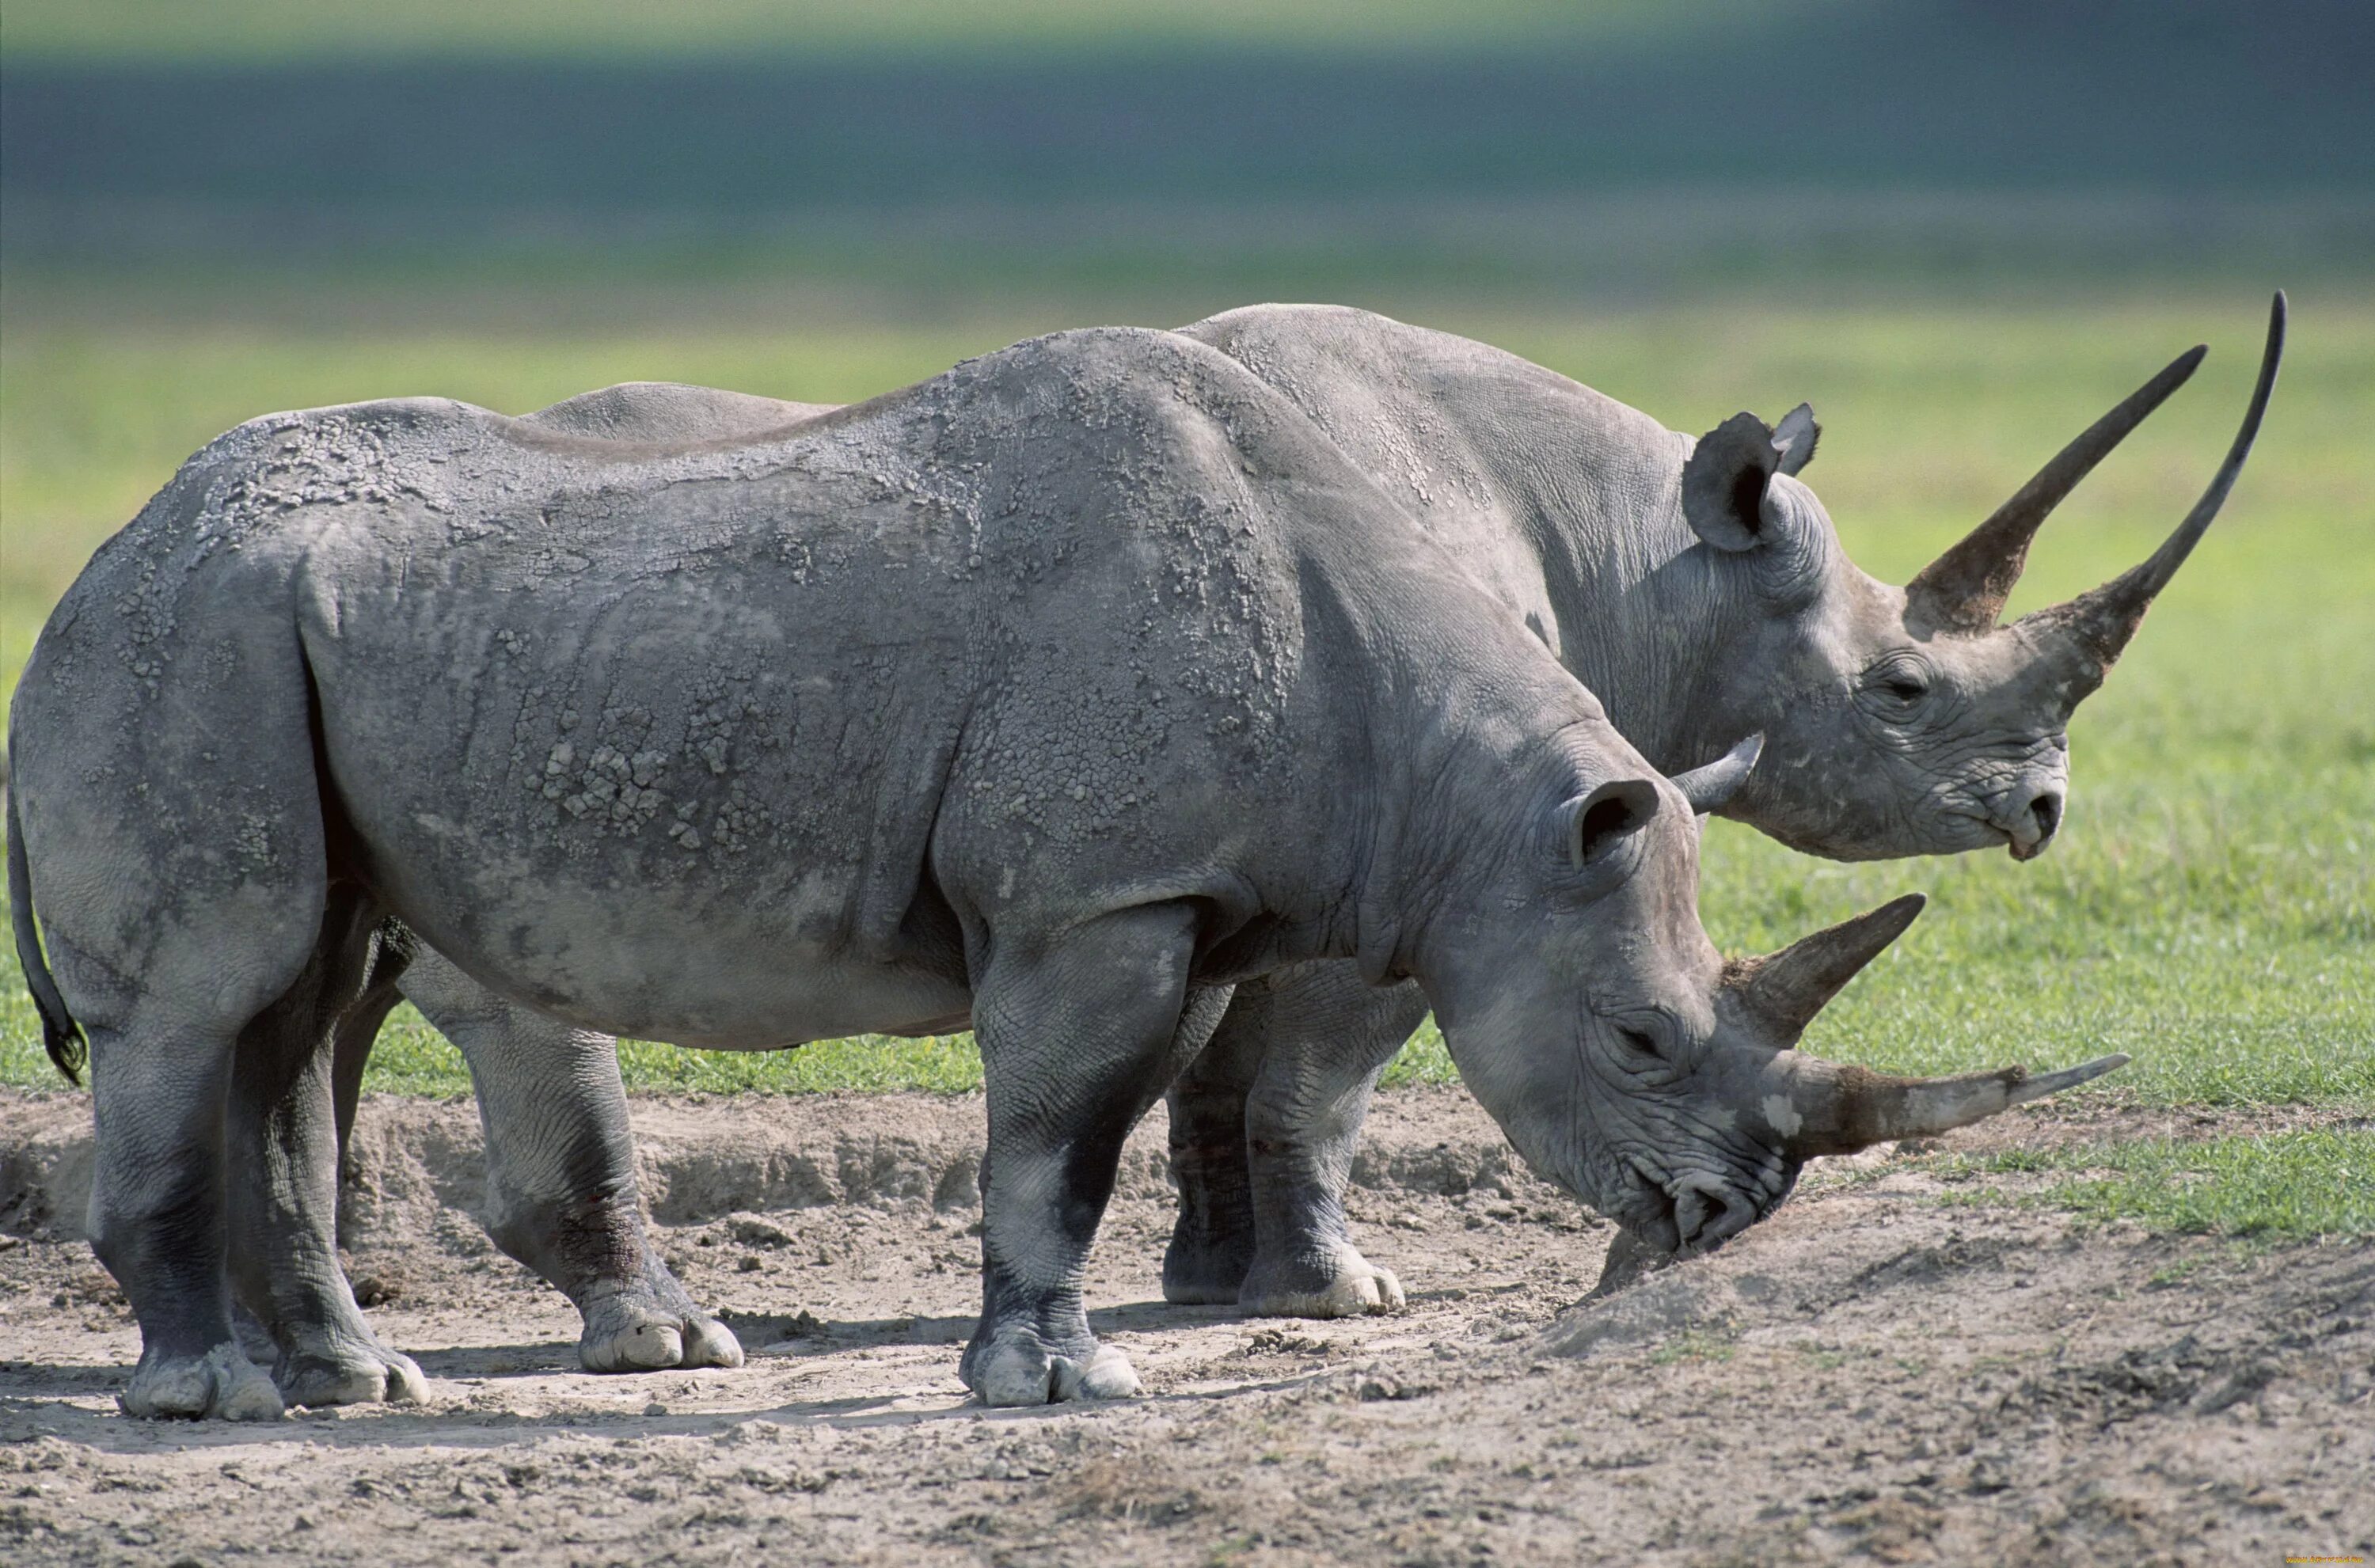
x=748, y=135
x=273, y=29
x=1508, y=144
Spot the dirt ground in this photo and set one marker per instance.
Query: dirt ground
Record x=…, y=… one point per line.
x=1872, y=1374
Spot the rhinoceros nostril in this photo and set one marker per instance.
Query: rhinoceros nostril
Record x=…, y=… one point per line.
x=2046, y=810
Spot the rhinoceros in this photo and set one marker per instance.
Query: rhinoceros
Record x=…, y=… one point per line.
x=1699, y=590
x=1061, y=693
x=1697, y=587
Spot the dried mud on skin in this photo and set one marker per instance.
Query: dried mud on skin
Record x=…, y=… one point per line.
x=1871, y=1375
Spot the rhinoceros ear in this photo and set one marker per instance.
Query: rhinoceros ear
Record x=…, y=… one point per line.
x=1795, y=437
x=1593, y=825
x=1723, y=483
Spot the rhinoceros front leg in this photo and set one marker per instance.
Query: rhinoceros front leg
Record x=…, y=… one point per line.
x=285, y=1136
x=1263, y=1125
x=1078, y=1037
x=1326, y=1037
x=561, y=1175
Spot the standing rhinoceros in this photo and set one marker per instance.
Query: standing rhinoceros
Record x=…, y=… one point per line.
x=1700, y=592
x=1696, y=588
x=1062, y=692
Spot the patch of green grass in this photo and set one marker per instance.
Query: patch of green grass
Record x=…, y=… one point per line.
x=413, y=1059
x=1695, y=1345
x=2312, y=1185
x=2210, y=908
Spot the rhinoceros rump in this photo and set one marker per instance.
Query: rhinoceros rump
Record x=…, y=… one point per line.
x=1063, y=692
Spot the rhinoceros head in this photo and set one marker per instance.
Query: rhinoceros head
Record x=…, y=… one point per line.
x=1908, y=721
x=1630, y=1063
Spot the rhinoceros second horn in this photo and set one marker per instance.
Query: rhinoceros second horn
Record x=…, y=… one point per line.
x=2099, y=622
x=1839, y=1109
x=1965, y=589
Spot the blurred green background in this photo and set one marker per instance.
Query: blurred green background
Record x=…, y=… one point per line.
x=1960, y=229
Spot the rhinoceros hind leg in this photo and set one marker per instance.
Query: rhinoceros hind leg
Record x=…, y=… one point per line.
x=284, y=1137
x=1324, y=1037
x=561, y=1173
x=1078, y=1036
x=1212, y=1243
x=157, y=1216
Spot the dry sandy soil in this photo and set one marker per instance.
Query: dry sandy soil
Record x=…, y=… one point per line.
x=1872, y=1374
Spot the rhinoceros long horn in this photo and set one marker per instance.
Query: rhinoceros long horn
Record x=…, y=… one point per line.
x=2101, y=620
x=1785, y=990
x=1824, y=1108
x=1965, y=589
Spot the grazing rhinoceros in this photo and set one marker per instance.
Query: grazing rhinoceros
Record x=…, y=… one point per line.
x=1700, y=592
x=1696, y=588
x=1061, y=693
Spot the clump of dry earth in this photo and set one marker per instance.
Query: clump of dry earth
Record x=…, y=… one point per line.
x=1873, y=1374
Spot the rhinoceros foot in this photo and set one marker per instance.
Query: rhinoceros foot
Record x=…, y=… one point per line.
x=640, y=1330
x=222, y=1382
x=1021, y=1370
x=1340, y=1284
x=1202, y=1270
x=346, y=1369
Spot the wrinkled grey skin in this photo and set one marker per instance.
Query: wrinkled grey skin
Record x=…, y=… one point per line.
x=1063, y=692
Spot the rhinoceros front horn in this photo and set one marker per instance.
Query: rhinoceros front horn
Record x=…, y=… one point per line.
x=1965, y=589
x=1785, y=990
x=1815, y=1107
x=2098, y=623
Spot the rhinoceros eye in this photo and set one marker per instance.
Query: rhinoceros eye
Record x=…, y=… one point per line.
x=1639, y=1046
x=1901, y=678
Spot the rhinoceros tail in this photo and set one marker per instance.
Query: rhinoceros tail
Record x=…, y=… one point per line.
x=61, y=1036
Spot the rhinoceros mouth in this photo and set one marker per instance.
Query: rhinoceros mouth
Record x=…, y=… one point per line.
x=1698, y=1211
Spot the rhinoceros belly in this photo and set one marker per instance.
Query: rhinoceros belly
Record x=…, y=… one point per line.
x=681, y=796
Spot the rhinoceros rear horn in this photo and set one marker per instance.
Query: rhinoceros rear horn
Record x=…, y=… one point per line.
x=1709, y=787
x=1785, y=990
x=1965, y=589
x=1815, y=1107
x=2098, y=623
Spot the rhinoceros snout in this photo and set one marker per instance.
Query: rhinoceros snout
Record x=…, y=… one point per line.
x=2031, y=818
